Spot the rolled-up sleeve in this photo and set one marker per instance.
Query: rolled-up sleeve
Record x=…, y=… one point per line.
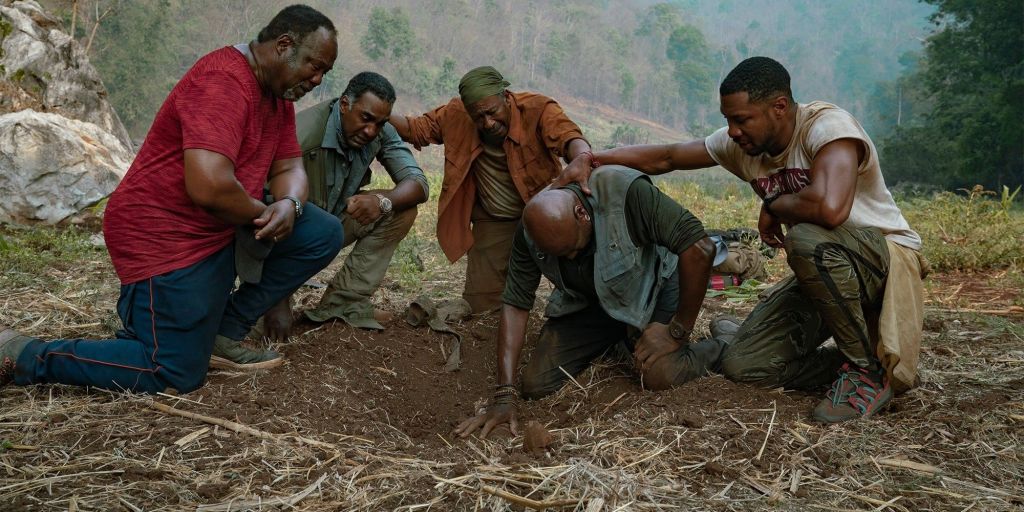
x=557, y=130
x=653, y=217
x=398, y=161
x=523, y=274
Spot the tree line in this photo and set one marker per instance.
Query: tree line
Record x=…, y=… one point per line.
x=660, y=60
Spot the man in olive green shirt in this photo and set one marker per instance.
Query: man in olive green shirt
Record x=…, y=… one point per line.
x=340, y=138
x=628, y=265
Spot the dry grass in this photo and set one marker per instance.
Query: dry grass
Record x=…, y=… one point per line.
x=955, y=443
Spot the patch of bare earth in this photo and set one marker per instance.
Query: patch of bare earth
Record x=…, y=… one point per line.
x=359, y=420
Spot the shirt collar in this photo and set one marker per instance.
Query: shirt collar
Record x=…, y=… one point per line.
x=333, y=137
x=515, y=123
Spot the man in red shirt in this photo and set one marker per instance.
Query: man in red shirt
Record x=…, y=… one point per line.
x=189, y=215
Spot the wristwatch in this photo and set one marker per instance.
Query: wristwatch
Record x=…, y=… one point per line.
x=677, y=331
x=298, y=205
x=385, y=204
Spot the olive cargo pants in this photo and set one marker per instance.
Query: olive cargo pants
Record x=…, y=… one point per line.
x=836, y=290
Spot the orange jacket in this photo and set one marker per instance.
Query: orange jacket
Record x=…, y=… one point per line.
x=539, y=133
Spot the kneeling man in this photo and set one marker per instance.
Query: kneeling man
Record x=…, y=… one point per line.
x=340, y=138
x=628, y=264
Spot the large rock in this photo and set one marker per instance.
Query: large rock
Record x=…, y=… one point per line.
x=52, y=167
x=42, y=68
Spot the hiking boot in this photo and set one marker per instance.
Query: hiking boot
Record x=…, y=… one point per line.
x=725, y=327
x=11, y=345
x=229, y=354
x=857, y=393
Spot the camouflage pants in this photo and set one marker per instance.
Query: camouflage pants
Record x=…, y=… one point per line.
x=836, y=290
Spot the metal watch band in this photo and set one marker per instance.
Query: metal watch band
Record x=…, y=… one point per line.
x=384, y=204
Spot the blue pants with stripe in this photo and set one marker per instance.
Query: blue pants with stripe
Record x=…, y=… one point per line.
x=170, y=321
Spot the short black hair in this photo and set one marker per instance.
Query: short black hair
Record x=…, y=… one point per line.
x=297, y=21
x=761, y=78
x=372, y=82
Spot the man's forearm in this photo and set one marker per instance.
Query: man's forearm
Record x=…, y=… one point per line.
x=806, y=207
x=659, y=158
x=407, y=194
x=511, y=335
x=401, y=124
x=694, y=271
x=574, y=148
x=234, y=207
x=291, y=182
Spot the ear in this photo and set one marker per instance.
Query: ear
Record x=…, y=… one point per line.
x=780, y=106
x=284, y=43
x=581, y=212
x=344, y=104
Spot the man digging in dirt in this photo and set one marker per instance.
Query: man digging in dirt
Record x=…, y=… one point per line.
x=191, y=194
x=501, y=148
x=628, y=264
x=856, y=262
x=340, y=138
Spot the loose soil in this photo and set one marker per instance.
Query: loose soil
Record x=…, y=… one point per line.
x=384, y=400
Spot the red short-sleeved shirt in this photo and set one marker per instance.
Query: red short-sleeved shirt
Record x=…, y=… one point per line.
x=151, y=226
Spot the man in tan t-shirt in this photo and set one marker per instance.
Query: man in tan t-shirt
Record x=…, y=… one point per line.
x=818, y=174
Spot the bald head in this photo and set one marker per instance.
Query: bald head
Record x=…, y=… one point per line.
x=557, y=222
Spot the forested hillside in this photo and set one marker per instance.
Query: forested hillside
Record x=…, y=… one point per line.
x=660, y=61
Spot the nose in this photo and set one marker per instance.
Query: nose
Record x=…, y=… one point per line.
x=371, y=131
x=317, y=79
x=734, y=130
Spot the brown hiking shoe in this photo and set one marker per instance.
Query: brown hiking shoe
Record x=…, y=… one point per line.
x=229, y=354
x=857, y=393
x=12, y=343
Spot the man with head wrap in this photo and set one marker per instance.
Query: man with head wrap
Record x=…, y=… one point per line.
x=501, y=148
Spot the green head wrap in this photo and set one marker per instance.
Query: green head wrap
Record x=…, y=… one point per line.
x=480, y=83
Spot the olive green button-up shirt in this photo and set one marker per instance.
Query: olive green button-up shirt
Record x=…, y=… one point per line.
x=336, y=171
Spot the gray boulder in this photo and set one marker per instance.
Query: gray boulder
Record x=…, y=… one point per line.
x=43, y=68
x=52, y=167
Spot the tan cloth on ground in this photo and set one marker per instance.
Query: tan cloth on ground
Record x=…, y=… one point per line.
x=901, y=320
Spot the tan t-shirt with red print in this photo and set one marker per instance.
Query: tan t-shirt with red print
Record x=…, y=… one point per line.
x=817, y=124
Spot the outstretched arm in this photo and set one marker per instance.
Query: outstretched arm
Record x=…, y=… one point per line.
x=659, y=158
x=651, y=159
x=511, y=335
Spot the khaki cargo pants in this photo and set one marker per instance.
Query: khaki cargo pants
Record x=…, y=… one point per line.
x=348, y=295
x=837, y=288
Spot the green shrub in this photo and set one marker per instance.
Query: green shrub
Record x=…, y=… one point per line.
x=977, y=231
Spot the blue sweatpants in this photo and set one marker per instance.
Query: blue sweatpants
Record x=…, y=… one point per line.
x=170, y=321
